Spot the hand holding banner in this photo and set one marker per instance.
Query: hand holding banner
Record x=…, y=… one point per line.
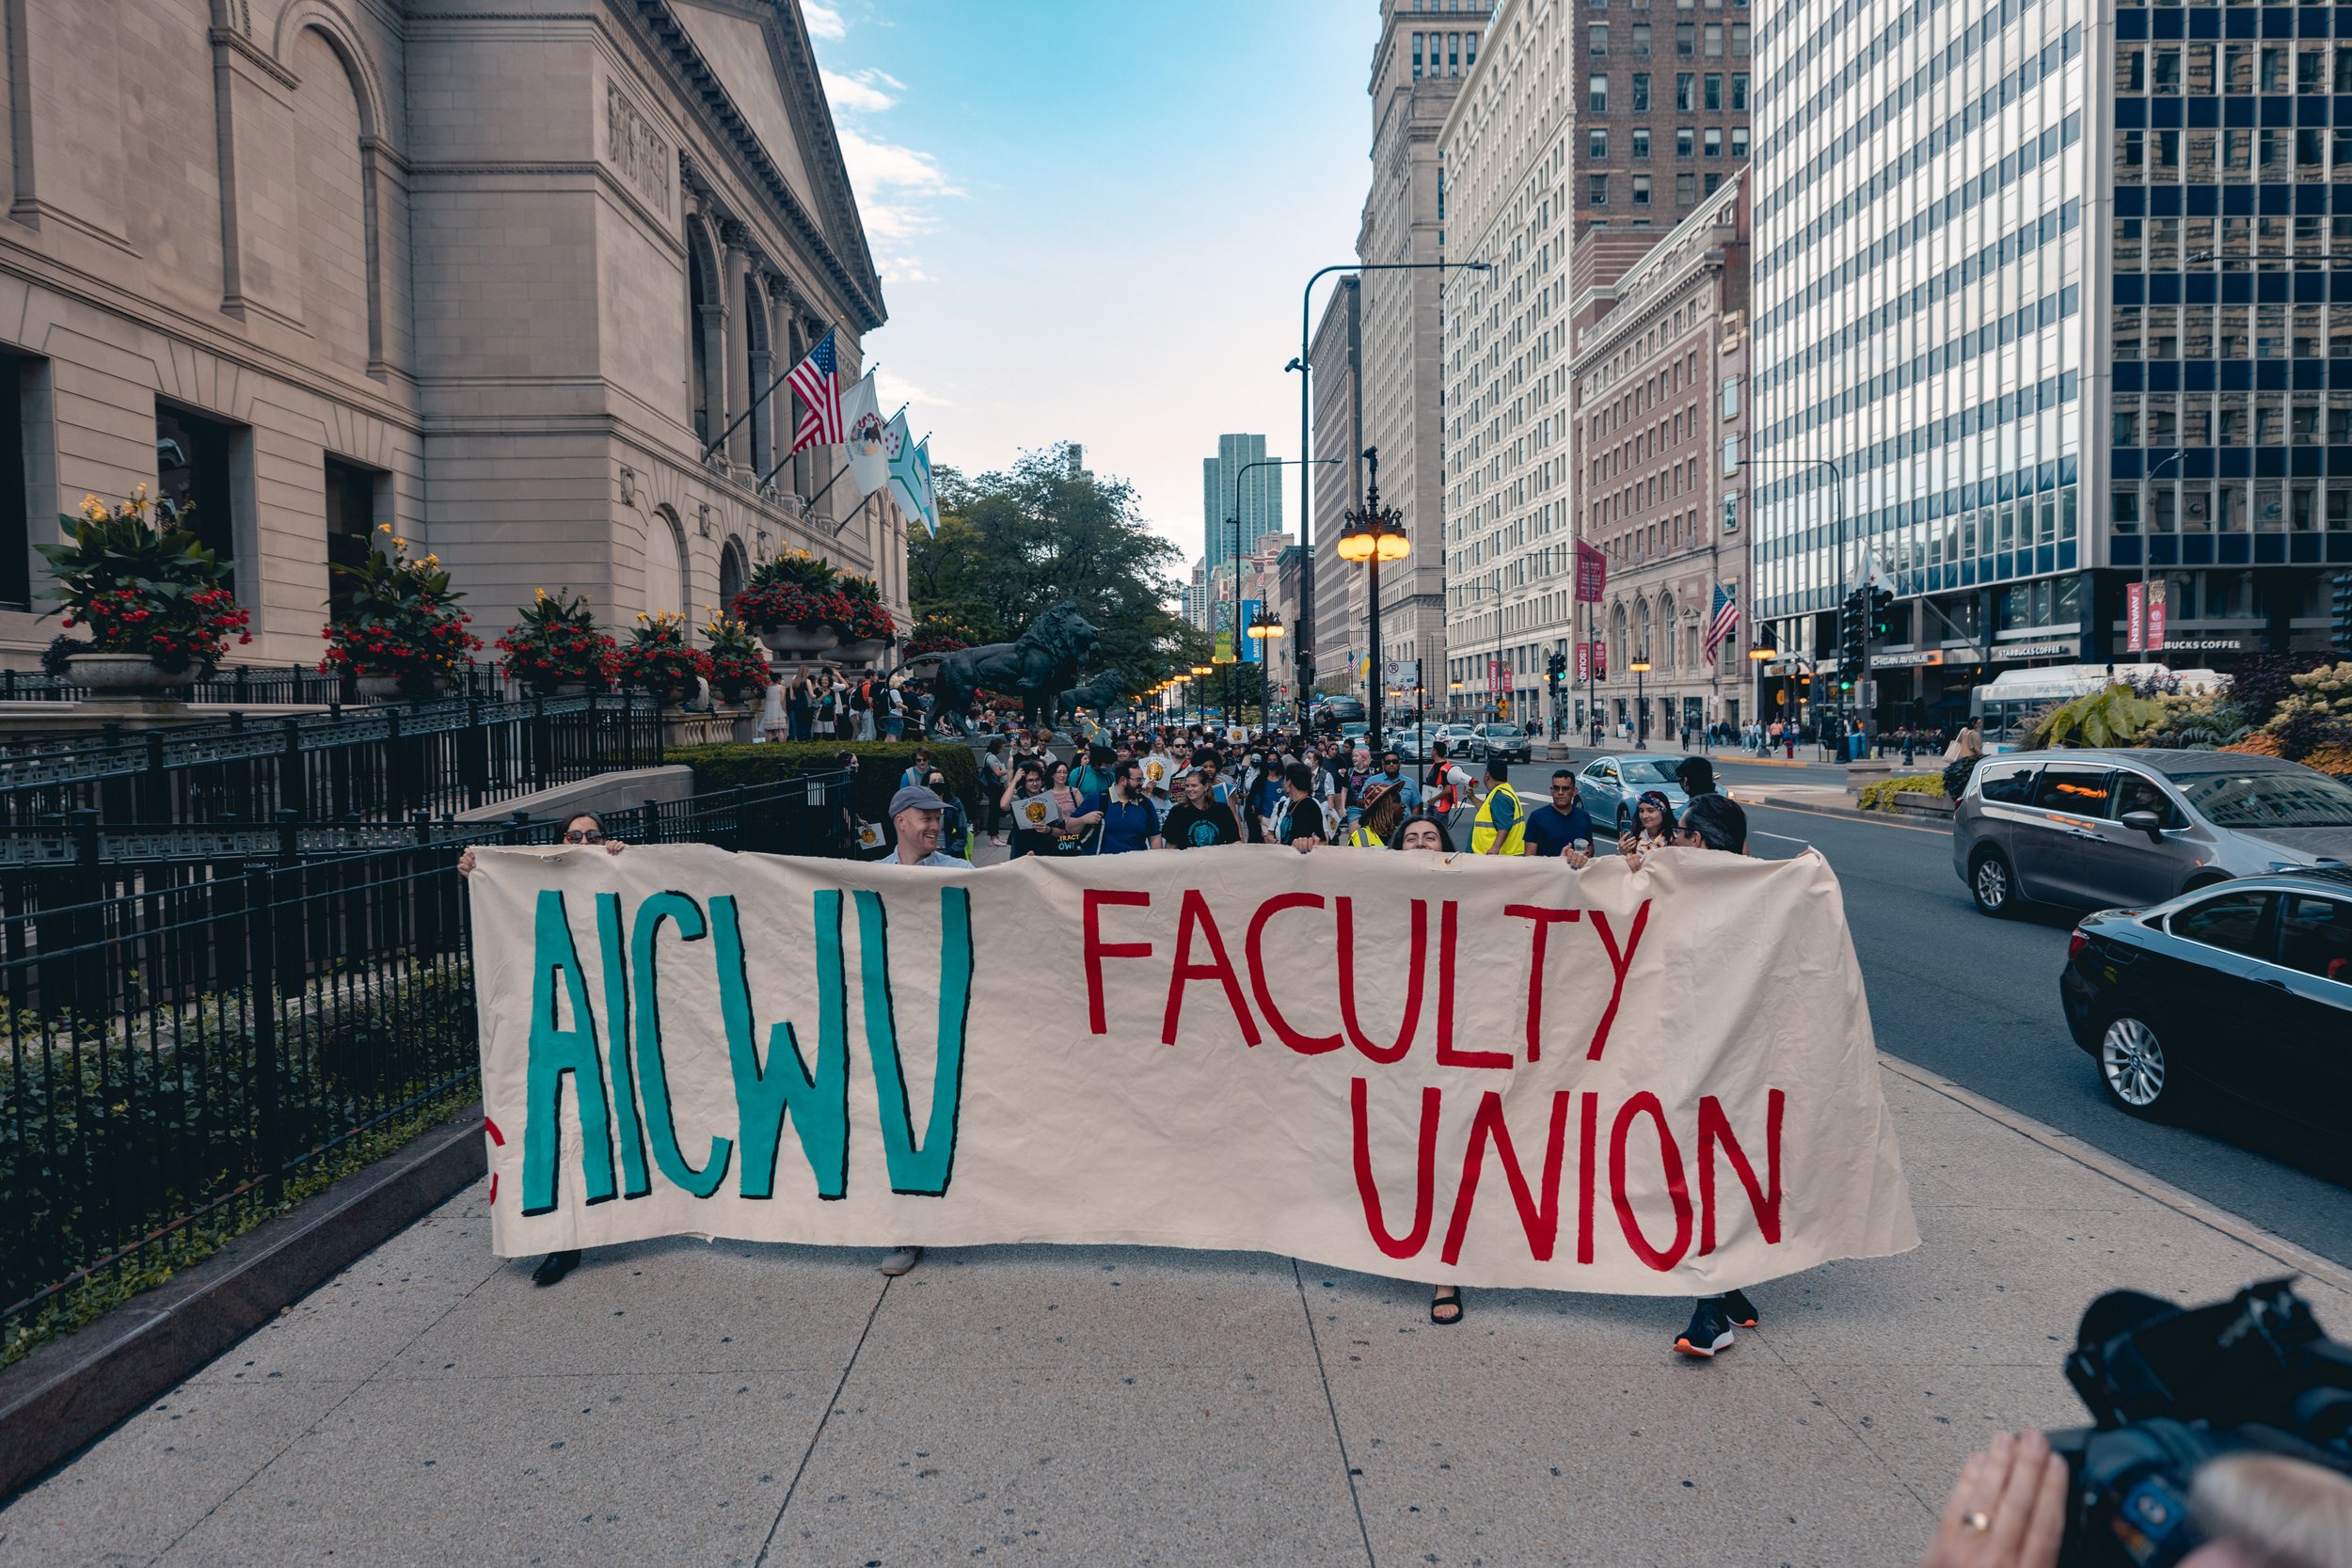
x=1456, y=1068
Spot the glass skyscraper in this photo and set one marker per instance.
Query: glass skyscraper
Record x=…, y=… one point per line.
x=1261, y=494
x=2041, y=284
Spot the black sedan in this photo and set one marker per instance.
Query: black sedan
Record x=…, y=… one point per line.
x=2243, y=990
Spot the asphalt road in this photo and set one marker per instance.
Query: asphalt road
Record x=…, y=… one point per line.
x=1977, y=1001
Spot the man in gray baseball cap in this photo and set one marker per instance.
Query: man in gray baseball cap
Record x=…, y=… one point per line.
x=915, y=812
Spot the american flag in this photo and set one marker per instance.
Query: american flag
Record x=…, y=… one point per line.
x=820, y=390
x=1725, y=619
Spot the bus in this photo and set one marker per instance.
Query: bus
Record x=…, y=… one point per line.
x=2007, y=706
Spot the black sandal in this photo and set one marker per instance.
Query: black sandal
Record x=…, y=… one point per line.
x=1453, y=1299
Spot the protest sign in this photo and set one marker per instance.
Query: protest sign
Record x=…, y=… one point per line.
x=1488, y=1070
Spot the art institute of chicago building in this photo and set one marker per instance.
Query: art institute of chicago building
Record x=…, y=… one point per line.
x=493, y=274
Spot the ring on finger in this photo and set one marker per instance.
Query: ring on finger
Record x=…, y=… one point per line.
x=1977, y=1519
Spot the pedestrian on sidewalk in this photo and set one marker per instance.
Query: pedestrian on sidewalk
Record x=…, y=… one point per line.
x=1198, y=822
x=994, y=777
x=581, y=828
x=1130, y=821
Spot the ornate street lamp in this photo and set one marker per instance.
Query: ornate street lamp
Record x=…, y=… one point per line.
x=1641, y=713
x=1371, y=535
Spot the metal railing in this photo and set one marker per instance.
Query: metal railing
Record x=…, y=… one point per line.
x=173, y=1060
x=377, y=763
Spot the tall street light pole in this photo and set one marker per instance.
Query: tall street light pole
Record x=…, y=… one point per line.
x=1304, y=653
x=1306, y=578
x=2147, y=548
x=1374, y=533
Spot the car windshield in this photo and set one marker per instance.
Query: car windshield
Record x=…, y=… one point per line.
x=2268, y=798
x=1651, y=771
x=1501, y=730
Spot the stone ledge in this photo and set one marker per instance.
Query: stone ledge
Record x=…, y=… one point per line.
x=72, y=1392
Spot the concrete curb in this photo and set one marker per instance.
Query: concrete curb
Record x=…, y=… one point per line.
x=1900, y=818
x=2290, y=1255
x=69, y=1393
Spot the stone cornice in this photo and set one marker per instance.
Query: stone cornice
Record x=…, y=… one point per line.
x=861, y=293
x=253, y=55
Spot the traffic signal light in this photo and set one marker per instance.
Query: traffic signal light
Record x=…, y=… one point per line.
x=1849, y=630
x=2342, y=623
x=1882, y=614
x=1556, y=666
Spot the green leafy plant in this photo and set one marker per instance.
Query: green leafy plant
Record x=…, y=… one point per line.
x=2318, y=714
x=143, y=583
x=866, y=615
x=794, y=589
x=2114, y=716
x=739, y=665
x=2196, y=721
x=659, y=659
x=403, y=621
x=1880, y=796
x=1957, y=774
x=556, y=643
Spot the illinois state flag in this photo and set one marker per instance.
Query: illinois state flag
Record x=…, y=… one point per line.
x=865, y=436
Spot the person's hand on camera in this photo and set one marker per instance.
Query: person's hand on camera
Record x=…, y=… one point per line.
x=2007, y=1508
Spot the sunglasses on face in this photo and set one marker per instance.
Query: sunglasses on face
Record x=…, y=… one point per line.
x=584, y=835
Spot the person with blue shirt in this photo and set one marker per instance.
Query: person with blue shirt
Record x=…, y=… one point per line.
x=1130, y=820
x=1392, y=776
x=1562, y=824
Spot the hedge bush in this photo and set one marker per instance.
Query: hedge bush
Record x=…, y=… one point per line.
x=879, y=764
x=1880, y=796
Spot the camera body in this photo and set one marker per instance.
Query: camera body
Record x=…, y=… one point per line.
x=2171, y=1387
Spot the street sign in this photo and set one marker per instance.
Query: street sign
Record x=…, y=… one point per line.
x=2004, y=652
x=1403, y=672
x=1907, y=661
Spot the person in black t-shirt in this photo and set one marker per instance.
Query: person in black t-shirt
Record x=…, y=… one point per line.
x=1302, y=815
x=1199, y=822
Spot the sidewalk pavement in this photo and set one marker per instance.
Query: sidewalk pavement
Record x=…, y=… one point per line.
x=683, y=1402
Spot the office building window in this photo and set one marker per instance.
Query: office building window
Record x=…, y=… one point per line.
x=1740, y=39
x=1596, y=143
x=1714, y=40
x=1739, y=90
x=1470, y=48
x=1686, y=91
x=1713, y=183
x=1738, y=141
x=1686, y=40
x=1731, y=513
x=1686, y=190
x=1597, y=95
x=1641, y=92
x=1596, y=38
x=1641, y=190
x=1597, y=190
x=1714, y=92
x=1641, y=150
x=1686, y=141
x=1641, y=39
x=194, y=458
x=1731, y=397
x=1713, y=141
x=350, y=528
x=1416, y=56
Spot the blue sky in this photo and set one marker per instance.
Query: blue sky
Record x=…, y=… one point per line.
x=1093, y=219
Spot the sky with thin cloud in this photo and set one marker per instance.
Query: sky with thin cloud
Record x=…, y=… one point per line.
x=1094, y=220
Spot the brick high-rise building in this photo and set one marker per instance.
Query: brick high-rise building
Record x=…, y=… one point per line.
x=1660, y=97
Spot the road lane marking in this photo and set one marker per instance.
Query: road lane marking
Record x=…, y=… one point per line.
x=1782, y=838
x=1898, y=827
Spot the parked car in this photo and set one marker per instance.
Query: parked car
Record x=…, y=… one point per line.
x=1334, y=711
x=1609, y=785
x=1457, y=738
x=2242, y=990
x=2085, y=829
x=1354, y=731
x=1507, y=741
x=1412, y=741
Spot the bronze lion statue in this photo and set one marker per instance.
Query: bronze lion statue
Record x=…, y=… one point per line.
x=1100, y=694
x=1043, y=661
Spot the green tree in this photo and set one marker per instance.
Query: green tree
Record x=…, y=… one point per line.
x=1012, y=543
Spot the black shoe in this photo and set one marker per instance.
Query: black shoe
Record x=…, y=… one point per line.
x=1710, y=1331
x=1739, y=1309
x=554, y=1266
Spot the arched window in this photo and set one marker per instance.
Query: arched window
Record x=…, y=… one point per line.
x=666, y=564
x=1617, y=658
x=1666, y=621
x=733, y=566
x=1641, y=630
x=331, y=198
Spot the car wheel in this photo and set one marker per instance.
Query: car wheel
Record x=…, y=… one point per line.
x=1993, y=884
x=2134, y=1068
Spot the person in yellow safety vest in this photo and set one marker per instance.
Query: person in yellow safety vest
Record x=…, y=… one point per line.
x=1501, y=827
x=1384, y=808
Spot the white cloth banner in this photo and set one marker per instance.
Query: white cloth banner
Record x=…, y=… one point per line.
x=1495, y=1071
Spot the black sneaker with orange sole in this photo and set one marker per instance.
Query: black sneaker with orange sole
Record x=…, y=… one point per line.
x=1709, y=1330
x=1739, y=1309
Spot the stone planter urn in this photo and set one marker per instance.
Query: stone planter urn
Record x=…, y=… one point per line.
x=866, y=650
x=128, y=672
x=814, y=639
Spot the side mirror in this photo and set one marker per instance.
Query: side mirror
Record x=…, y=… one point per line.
x=2145, y=822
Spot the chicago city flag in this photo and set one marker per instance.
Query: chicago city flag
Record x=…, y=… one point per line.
x=865, y=436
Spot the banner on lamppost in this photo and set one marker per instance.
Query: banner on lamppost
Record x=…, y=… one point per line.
x=1124, y=1049
x=1601, y=659
x=1252, y=649
x=2155, y=616
x=2135, y=625
x=1592, y=573
x=1583, y=662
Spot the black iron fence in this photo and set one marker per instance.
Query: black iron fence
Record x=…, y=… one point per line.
x=175, y=1061
x=251, y=684
x=377, y=763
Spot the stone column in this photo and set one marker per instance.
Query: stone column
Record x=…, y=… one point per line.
x=777, y=416
x=713, y=327
x=764, y=369
x=734, y=270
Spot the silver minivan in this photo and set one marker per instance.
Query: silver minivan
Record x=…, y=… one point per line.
x=2091, y=830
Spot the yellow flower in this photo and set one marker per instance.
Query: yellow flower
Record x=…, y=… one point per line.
x=399, y=544
x=383, y=527
x=432, y=560
x=138, y=492
x=540, y=591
